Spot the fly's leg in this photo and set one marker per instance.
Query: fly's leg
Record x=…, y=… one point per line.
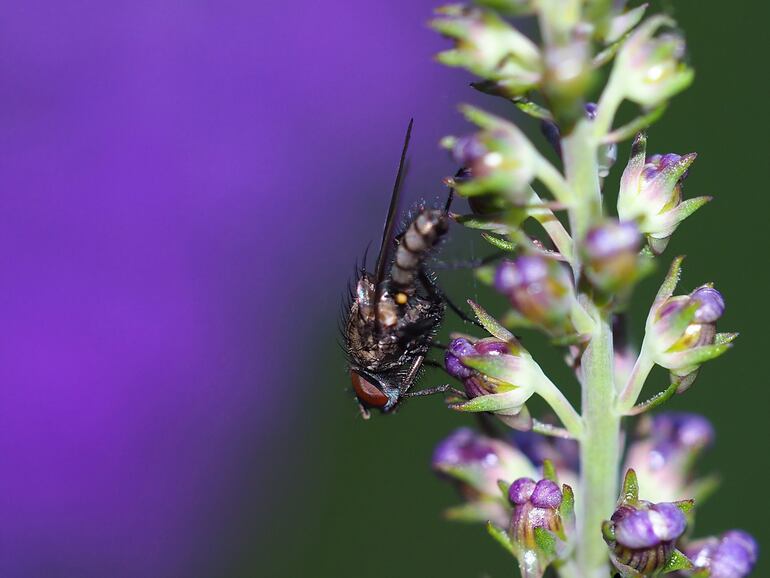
x=411, y=376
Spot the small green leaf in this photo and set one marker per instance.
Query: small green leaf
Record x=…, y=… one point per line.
x=487, y=223
x=669, y=284
x=546, y=542
x=513, y=7
x=501, y=244
x=479, y=117
x=630, y=491
x=490, y=323
x=549, y=471
x=471, y=512
x=567, y=508
x=532, y=109
x=504, y=487
x=678, y=561
x=608, y=531
x=606, y=55
x=685, y=506
x=622, y=24
x=501, y=537
x=491, y=402
x=704, y=353
x=722, y=338
x=688, y=207
x=655, y=401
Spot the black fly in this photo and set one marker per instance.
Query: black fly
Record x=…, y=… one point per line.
x=395, y=312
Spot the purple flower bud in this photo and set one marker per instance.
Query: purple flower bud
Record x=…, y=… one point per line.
x=712, y=304
x=682, y=332
x=469, y=151
x=498, y=370
x=501, y=159
x=649, y=528
x=521, y=491
x=731, y=555
x=546, y=494
x=642, y=535
x=677, y=433
x=459, y=347
x=539, y=289
x=611, y=253
x=664, y=454
x=651, y=193
x=536, y=506
x=475, y=383
x=464, y=447
x=658, y=164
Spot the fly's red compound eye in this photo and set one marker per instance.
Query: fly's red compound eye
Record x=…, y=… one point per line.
x=367, y=392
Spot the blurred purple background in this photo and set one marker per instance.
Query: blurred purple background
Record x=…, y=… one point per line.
x=182, y=183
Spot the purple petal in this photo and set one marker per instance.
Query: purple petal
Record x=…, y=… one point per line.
x=546, y=494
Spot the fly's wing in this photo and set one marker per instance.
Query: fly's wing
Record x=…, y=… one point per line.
x=386, y=245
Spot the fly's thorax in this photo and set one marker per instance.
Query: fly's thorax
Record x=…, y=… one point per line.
x=373, y=333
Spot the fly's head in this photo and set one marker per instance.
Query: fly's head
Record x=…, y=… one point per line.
x=373, y=392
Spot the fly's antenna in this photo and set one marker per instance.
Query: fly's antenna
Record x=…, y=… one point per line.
x=390, y=222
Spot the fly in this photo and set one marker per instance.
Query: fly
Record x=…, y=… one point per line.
x=396, y=311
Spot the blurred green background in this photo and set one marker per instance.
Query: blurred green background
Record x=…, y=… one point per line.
x=348, y=498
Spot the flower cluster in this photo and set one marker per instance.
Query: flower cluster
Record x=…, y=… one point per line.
x=496, y=478
x=566, y=266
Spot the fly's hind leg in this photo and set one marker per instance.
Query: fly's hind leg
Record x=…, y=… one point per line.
x=408, y=382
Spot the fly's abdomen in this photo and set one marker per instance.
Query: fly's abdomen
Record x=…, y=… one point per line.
x=420, y=237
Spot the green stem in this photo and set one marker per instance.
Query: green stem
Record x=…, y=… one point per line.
x=600, y=442
x=551, y=225
x=552, y=179
x=633, y=387
x=579, y=151
x=560, y=405
x=608, y=105
x=599, y=453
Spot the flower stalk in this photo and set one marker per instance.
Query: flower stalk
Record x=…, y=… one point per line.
x=570, y=280
x=599, y=451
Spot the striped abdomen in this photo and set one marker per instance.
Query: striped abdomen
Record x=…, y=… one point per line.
x=420, y=237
